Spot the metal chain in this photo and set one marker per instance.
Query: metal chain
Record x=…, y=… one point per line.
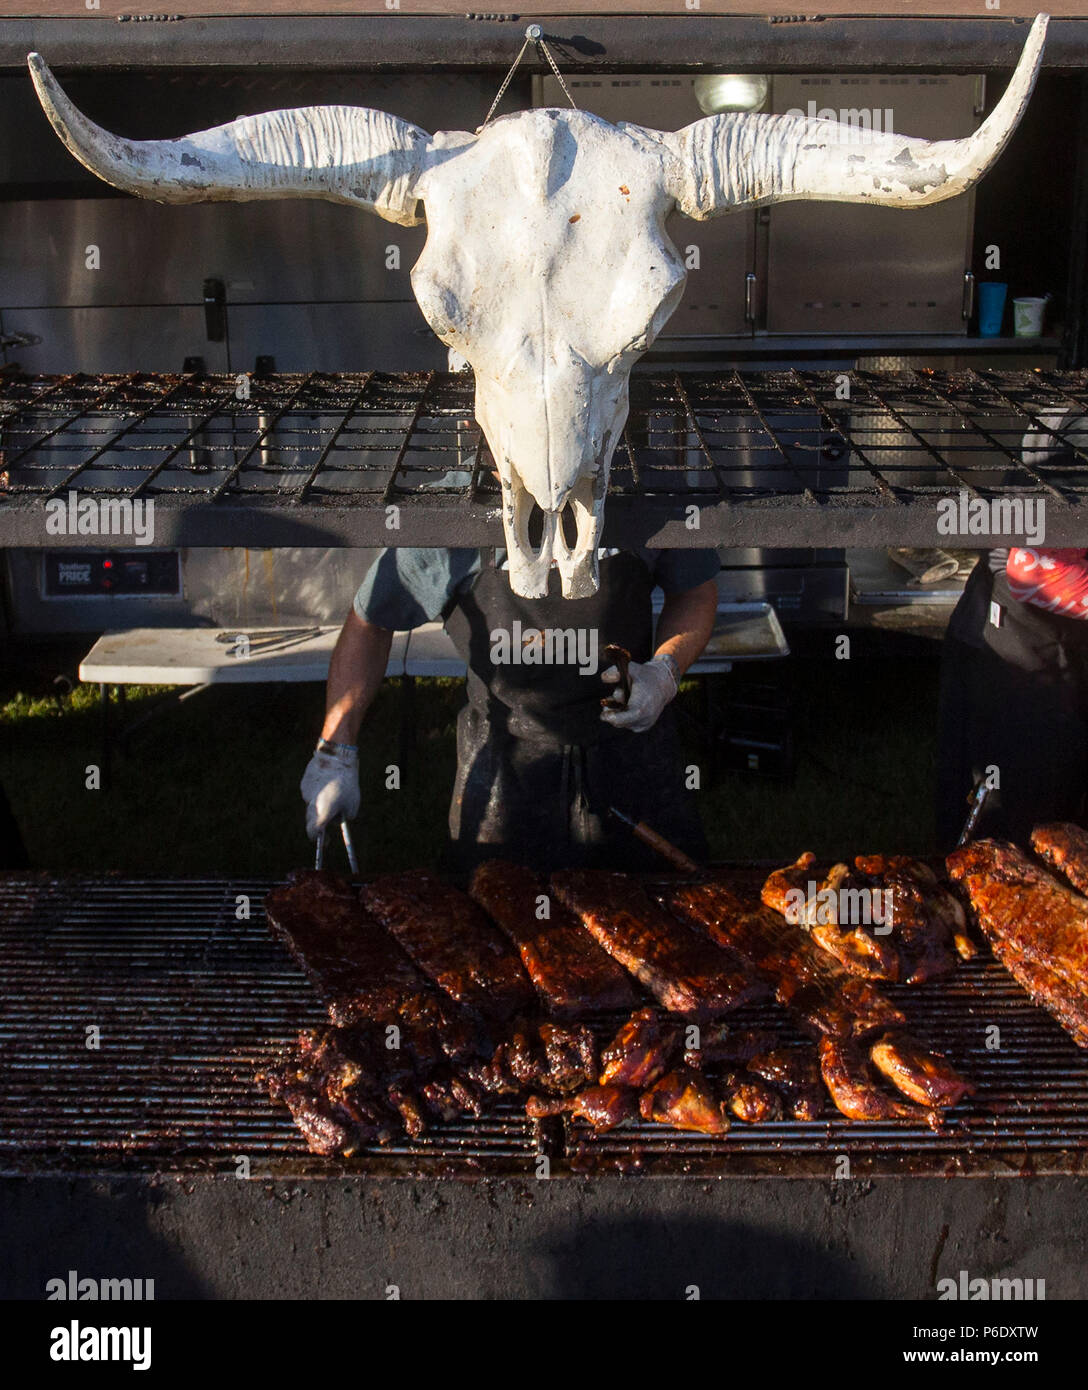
x=532, y=35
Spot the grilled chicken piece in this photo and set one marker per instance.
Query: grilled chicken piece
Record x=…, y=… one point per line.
x=751, y=1099
x=921, y=1075
x=795, y=1072
x=1065, y=848
x=925, y=917
x=604, y=1107
x=855, y=1089
x=854, y=947
x=858, y=948
x=641, y=1051
x=724, y=1043
x=780, y=884
x=684, y=1099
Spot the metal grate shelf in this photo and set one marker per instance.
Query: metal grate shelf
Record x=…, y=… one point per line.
x=780, y=458
x=190, y=1003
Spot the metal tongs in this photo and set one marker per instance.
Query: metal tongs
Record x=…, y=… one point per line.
x=349, y=846
x=976, y=801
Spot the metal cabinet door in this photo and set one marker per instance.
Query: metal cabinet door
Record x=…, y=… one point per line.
x=842, y=268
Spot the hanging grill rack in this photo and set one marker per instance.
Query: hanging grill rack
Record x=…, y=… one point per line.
x=773, y=458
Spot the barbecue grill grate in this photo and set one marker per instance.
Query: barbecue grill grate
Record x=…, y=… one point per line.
x=191, y=1002
x=772, y=456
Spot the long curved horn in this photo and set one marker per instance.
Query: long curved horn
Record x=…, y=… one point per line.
x=347, y=154
x=734, y=161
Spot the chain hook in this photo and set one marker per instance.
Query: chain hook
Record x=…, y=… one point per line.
x=534, y=34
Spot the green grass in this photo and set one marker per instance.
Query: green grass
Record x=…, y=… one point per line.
x=210, y=786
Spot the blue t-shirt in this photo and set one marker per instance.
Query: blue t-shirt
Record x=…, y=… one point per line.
x=407, y=586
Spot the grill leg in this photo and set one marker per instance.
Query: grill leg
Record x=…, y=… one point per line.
x=107, y=747
x=407, y=719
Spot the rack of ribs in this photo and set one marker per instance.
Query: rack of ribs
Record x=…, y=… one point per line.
x=358, y=969
x=684, y=971
x=816, y=991
x=1065, y=848
x=572, y=974
x=452, y=942
x=1037, y=926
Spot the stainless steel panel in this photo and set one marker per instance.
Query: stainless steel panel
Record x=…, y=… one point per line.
x=297, y=250
x=723, y=249
x=107, y=339
x=222, y=587
x=334, y=337
x=838, y=268
x=270, y=587
x=31, y=613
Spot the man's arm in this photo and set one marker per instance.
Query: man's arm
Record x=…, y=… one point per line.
x=686, y=623
x=356, y=670
x=330, y=784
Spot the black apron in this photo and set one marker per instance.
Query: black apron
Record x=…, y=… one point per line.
x=537, y=768
x=1014, y=694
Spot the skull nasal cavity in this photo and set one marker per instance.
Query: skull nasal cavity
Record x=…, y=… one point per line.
x=568, y=524
x=535, y=526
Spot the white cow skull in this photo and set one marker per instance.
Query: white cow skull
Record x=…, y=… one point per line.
x=547, y=264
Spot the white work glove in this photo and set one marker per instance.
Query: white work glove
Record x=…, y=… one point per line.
x=653, y=685
x=330, y=787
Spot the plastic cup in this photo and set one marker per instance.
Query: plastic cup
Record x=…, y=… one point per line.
x=1027, y=317
x=991, y=308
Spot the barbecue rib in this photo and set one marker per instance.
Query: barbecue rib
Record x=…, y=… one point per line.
x=572, y=975
x=817, y=992
x=682, y=970
x=604, y=1107
x=685, y=1100
x=549, y=1057
x=641, y=1052
x=919, y=1074
x=357, y=969
x=855, y=1089
x=452, y=942
x=1065, y=848
x=1037, y=926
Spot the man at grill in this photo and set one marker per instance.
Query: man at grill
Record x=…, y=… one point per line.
x=539, y=761
x=1014, y=680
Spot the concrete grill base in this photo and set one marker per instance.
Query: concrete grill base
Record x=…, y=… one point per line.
x=601, y=1238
